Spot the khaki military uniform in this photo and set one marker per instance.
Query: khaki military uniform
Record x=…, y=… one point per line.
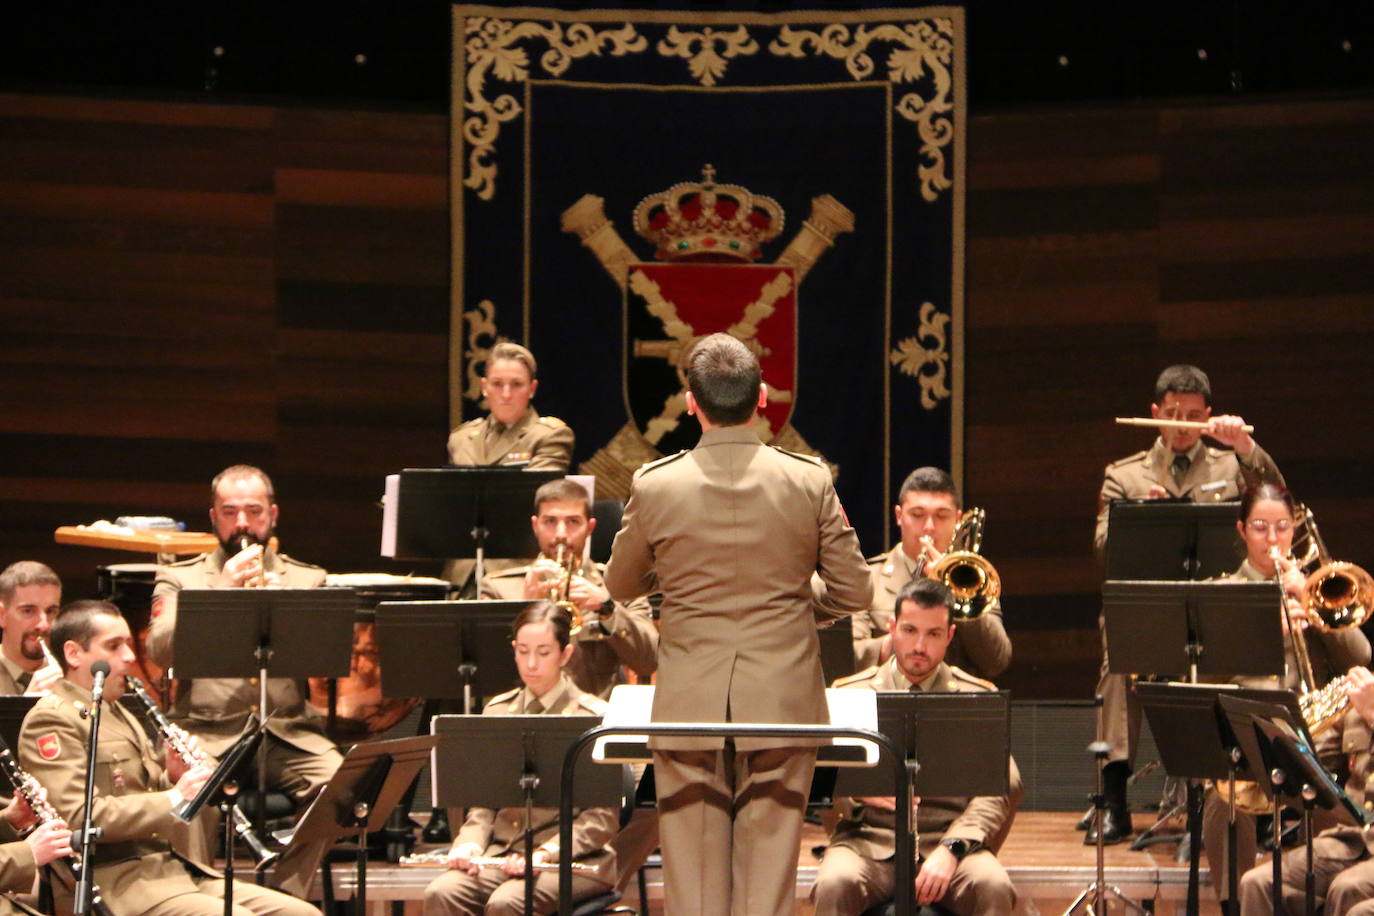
x=1332, y=654
x=17, y=870
x=596, y=665
x=1342, y=855
x=1214, y=475
x=501, y=833
x=300, y=757
x=857, y=871
x=9, y=678
x=545, y=442
x=135, y=865
x=981, y=646
x=731, y=533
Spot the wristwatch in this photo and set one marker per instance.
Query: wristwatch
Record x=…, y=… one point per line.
x=959, y=848
x=607, y=608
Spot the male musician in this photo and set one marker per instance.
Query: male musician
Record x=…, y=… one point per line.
x=513, y=433
x=959, y=837
x=613, y=633
x=1178, y=465
x=731, y=533
x=21, y=859
x=135, y=865
x=300, y=758
x=30, y=595
x=1342, y=860
x=927, y=511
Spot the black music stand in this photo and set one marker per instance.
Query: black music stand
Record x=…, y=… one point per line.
x=447, y=649
x=1195, y=743
x=1171, y=539
x=837, y=649
x=358, y=800
x=262, y=633
x=467, y=511
x=509, y=761
x=13, y=709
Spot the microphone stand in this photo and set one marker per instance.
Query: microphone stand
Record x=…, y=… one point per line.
x=89, y=833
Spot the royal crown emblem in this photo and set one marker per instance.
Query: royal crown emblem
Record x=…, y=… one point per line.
x=707, y=221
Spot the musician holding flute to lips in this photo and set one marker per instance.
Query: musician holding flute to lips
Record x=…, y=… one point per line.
x=300, y=757
x=1178, y=465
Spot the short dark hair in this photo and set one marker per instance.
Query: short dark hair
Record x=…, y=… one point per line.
x=1265, y=491
x=76, y=623
x=242, y=472
x=545, y=612
x=25, y=572
x=563, y=490
x=1183, y=379
x=930, y=480
x=512, y=351
x=927, y=593
x=723, y=376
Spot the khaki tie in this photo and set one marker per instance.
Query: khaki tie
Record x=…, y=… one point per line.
x=534, y=708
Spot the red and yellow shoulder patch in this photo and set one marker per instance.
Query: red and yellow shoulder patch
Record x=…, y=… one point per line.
x=48, y=746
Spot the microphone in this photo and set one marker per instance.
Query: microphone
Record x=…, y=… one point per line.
x=99, y=671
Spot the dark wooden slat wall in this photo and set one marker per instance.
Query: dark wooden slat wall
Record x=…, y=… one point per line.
x=186, y=286
x=182, y=286
x=1107, y=244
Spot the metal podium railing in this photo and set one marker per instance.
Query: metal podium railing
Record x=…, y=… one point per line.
x=904, y=770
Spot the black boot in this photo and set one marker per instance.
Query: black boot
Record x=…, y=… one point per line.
x=436, y=831
x=1116, y=819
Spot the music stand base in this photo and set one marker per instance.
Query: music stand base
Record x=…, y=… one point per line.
x=1099, y=890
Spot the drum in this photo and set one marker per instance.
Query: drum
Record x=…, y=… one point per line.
x=353, y=706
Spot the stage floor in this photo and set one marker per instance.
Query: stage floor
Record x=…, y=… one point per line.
x=1045, y=856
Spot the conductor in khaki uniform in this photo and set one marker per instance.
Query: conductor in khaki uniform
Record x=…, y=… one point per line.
x=959, y=837
x=135, y=866
x=542, y=651
x=1343, y=857
x=731, y=533
x=615, y=635
x=928, y=510
x=21, y=859
x=1178, y=465
x=300, y=757
x=30, y=595
x=513, y=433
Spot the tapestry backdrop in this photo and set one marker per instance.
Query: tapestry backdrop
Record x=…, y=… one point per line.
x=626, y=182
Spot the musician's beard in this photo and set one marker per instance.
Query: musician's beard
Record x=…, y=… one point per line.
x=243, y=538
x=29, y=646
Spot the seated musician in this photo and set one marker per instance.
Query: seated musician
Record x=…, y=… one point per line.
x=542, y=651
x=959, y=837
x=928, y=509
x=1341, y=856
x=21, y=859
x=135, y=865
x=514, y=432
x=1266, y=528
x=614, y=636
x=1178, y=465
x=300, y=758
x=30, y=595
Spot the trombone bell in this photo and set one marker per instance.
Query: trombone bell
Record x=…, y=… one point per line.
x=1339, y=595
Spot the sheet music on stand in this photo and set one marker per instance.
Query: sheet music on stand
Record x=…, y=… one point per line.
x=439, y=513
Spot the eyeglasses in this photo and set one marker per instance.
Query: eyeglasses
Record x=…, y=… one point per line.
x=1262, y=526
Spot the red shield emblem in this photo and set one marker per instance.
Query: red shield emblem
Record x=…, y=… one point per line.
x=669, y=307
x=48, y=748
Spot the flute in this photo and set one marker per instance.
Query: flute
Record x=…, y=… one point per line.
x=430, y=859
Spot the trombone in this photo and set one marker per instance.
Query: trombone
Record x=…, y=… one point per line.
x=968, y=575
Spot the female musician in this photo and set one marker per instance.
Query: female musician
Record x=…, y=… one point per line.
x=542, y=650
x=1267, y=518
x=513, y=433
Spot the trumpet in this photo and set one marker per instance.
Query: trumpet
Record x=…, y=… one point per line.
x=179, y=743
x=968, y=575
x=260, y=580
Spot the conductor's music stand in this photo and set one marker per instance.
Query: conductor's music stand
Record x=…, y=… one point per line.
x=359, y=798
x=1166, y=539
x=466, y=511
x=264, y=632
x=508, y=761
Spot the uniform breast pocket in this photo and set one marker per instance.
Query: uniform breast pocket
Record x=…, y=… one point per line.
x=117, y=770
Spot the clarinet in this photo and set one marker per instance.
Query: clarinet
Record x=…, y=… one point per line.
x=176, y=742
x=68, y=868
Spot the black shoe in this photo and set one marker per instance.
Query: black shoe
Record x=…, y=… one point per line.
x=1085, y=821
x=1117, y=827
x=436, y=831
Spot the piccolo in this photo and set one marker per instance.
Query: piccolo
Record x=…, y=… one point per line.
x=1170, y=424
x=430, y=859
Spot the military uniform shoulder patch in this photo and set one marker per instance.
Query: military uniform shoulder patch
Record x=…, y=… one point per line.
x=959, y=674
x=593, y=703
x=49, y=748
x=660, y=462
x=552, y=422
x=1129, y=459
x=858, y=677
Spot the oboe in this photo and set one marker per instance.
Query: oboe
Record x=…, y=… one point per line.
x=176, y=741
x=26, y=787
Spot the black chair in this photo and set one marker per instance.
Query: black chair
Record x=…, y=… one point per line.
x=890, y=909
